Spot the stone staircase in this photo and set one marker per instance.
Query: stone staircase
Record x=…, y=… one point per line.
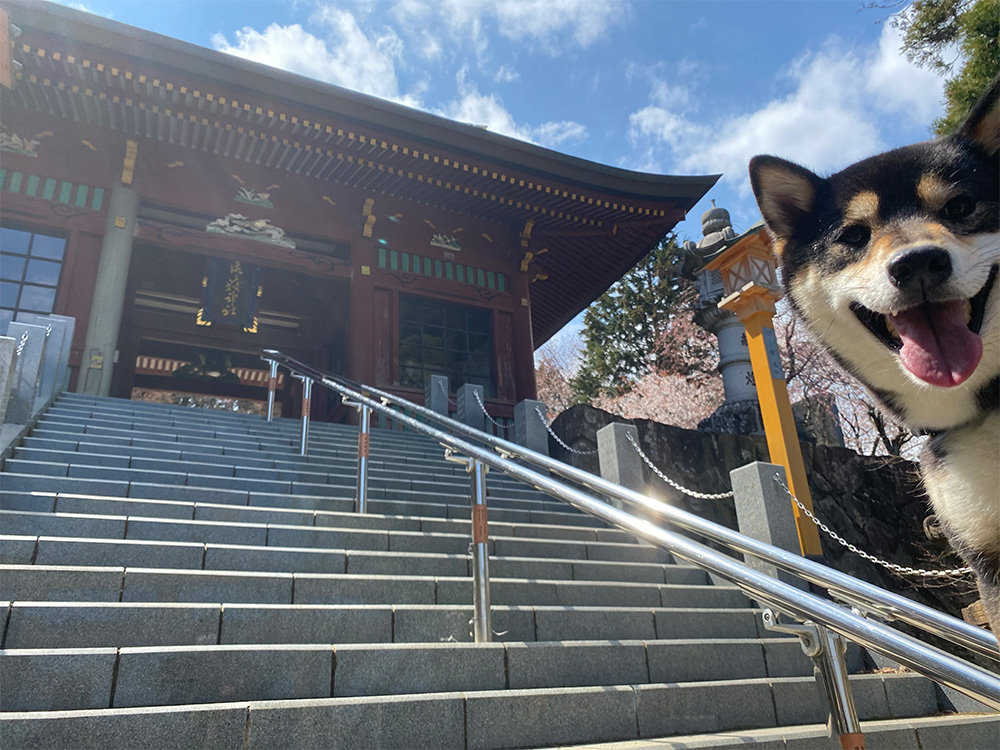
x=183, y=578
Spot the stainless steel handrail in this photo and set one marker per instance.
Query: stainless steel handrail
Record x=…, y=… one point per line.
x=865, y=596
x=944, y=668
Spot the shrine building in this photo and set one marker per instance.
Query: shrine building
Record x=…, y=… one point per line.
x=189, y=208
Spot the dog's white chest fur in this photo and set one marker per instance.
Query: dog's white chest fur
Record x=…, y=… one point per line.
x=964, y=484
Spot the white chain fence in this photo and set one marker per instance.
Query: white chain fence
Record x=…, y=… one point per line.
x=902, y=569
x=482, y=407
x=671, y=482
x=558, y=439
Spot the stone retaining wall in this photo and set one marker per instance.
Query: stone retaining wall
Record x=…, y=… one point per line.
x=876, y=503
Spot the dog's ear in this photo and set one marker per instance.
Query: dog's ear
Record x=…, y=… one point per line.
x=785, y=192
x=983, y=124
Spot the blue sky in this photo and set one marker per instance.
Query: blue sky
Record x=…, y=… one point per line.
x=667, y=86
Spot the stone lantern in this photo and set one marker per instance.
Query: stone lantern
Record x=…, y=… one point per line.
x=740, y=412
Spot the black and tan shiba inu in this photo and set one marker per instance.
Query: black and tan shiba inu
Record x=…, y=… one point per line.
x=892, y=263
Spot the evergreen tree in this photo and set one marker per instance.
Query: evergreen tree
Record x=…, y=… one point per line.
x=935, y=29
x=623, y=329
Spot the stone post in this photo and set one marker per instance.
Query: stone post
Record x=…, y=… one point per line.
x=764, y=512
x=620, y=463
x=529, y=430
x=27, y=372
x=469, y=410
x=8, y=361
x=53, y=365
x=436, y=394
x=62, y=374
x=105, y=319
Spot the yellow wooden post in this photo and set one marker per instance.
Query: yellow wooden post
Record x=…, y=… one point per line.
x=754, y=306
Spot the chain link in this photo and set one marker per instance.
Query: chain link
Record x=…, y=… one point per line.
x=21, y=343
x=444, y=390
x=671, y=482
x=902, y=569
x=482, y=408
x=558, y=439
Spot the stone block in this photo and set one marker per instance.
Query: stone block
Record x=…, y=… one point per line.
x=52, y=374
x=171, y=675
x=765, y=512
x=17, y=550
x=723, y=597
x=197, y=531
x=32, y=483
x=181, y=727
x=389, y=722
x=627, y=553
x=700, y=708
x=593, y=624
x=948, y=733
x=279, y=559
x=784, y=658
x=41, y=468
x=327, y=538
x=27, y=501
x=702, y=659
x=29, y=348
x=117, y=552
x=120, y=506
x=619, y=461
x=60, y=584
x=110, y=625
x=428, y=624
x=607, y=594
x=421, y=541
x=150, y=491
x=705, y=623
x=56, y=680
x=526, y=567
x=8, y=362
x=62, y=524
x=304, y=623
x=564, y=716
x=409, y=563
x=576, y=664
x=312, y=588
x=469, y=410
x=617, y=571
x=161, y=585
x=562, y=549
x=909, y=695
x=394, y=669
x=530, y=429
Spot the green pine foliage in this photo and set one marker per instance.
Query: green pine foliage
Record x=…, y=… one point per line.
x=623, y=328
x=935, y=29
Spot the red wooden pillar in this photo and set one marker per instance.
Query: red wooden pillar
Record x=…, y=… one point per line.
x=361, y=328
x=523, y=341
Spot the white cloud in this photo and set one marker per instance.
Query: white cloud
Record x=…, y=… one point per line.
x=488, y=110
x=506, y=74
x=834, y=114
x=348, y=57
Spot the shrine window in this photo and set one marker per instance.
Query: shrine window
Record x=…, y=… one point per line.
x=438, y=338
x=30, y=268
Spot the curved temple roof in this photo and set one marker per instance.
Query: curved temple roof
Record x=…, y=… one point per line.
x=592, y=221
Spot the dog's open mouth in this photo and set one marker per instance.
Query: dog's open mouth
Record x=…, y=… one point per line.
x=937, y=342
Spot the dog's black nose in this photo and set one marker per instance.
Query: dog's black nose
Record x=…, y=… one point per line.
x=921, y=268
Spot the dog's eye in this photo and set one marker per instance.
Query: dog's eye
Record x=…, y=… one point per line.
x=958, y=207
x=855, y=235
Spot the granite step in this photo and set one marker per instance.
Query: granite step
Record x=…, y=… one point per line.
x=83, y=678
x=90, y=624
x=472, y=719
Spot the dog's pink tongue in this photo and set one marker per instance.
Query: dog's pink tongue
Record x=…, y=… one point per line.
x=938, y=346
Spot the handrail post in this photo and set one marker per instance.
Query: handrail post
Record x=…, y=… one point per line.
x=481, y=615
x=833, y=673
x=364, y=446
x=307, y=384
x=272, y=386
x=482, y=627
x=826, y=648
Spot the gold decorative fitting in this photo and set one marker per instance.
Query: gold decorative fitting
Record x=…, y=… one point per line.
x=366, y=270
x=120, y=222
x=128, y=168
